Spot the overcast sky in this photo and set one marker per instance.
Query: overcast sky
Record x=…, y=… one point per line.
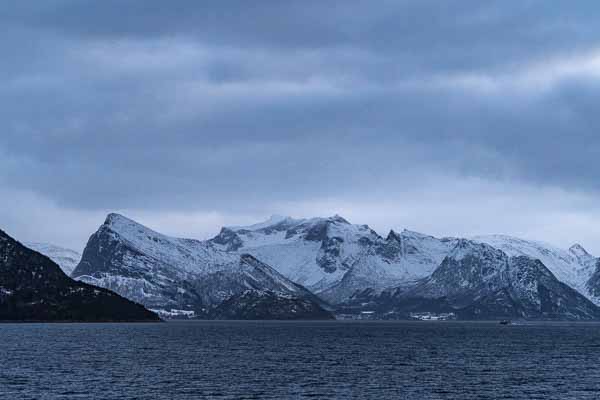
x=447, y=117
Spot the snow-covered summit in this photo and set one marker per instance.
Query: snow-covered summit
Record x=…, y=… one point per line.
x=315, y=252
x=184, y=255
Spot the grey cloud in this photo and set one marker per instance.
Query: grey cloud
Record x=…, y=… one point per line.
x=228, y=107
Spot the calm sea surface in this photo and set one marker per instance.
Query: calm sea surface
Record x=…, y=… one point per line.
x=297, y=360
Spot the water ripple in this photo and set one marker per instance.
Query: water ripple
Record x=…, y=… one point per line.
x=299, y=360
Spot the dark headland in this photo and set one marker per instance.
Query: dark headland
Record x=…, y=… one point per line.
x=34, y=289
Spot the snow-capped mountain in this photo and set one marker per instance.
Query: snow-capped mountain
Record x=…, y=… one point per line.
x=478, y=281
x=342, y=263
x=34, y=288
x=574, y=266
x=166, y=273
x=333, y=257
x=313, y=252
x=66, y=259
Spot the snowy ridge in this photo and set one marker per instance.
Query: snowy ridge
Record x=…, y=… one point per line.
x=273, y=220
x=66, y=259
x=421, y=254
x=333, y=257
x=186, y=255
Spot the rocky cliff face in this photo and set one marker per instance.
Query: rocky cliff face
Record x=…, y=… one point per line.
x=593, y=283
x=573, y=266
x=33, y=288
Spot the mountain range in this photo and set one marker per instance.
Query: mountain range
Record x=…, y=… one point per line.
x=478, y=281
x=317, y=265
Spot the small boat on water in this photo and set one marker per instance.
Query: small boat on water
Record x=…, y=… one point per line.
x=505, y=322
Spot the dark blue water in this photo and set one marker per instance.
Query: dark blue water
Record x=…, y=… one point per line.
x=279, y=360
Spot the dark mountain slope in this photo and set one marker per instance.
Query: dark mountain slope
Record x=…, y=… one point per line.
x=255, y=304
x=34, y=288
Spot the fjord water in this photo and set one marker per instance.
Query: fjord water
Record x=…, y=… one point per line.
x=279, y=360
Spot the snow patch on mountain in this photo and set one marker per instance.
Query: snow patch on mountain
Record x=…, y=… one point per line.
x=66, y=259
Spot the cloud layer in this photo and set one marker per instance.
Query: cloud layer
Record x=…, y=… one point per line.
x=424, y=115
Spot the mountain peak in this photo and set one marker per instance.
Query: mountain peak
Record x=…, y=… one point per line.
x=115, y=218
x=579, y=251
x=393, y=235
x=126, y=226
x=278, y=220
x=339, y=218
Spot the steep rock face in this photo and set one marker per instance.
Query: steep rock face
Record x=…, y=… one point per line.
x=469, y=271
x=593, y=283
x=66, y=259
x=33, y=287
x=477, y=281
x=574, y=266
x=544, y=296
x=335, y=258
x=166, y=273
